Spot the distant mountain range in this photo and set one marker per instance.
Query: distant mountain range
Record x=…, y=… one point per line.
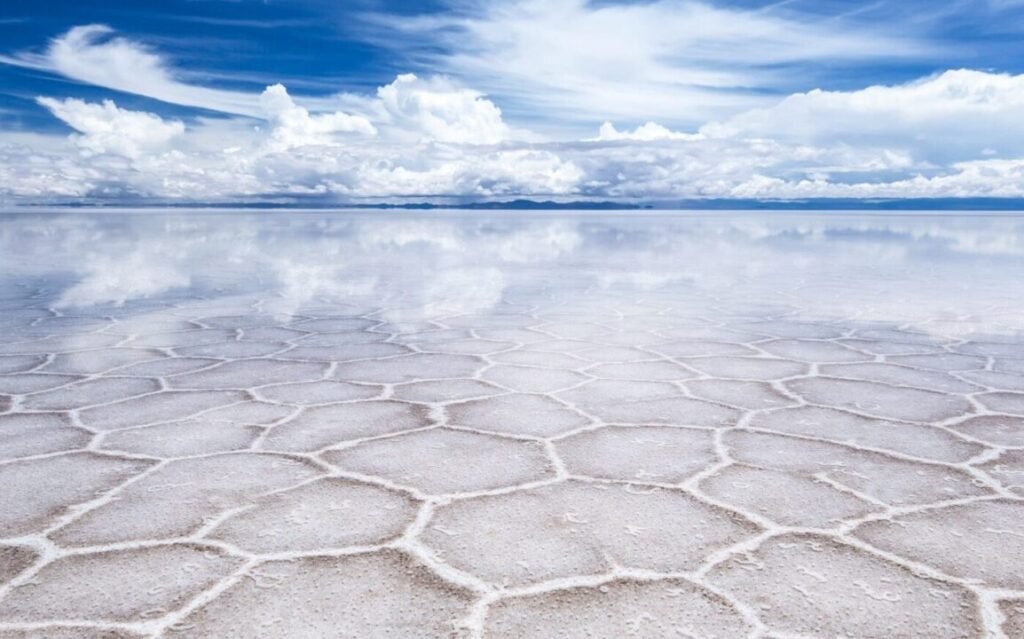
x=822, y=204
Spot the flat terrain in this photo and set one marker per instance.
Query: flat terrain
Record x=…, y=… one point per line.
x=587, y=452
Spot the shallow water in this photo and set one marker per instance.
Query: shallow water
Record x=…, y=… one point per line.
x=507, y=424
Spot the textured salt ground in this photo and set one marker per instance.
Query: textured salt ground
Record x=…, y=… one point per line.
x=206, y=470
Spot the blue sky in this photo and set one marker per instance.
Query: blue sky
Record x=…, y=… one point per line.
x=477, y=100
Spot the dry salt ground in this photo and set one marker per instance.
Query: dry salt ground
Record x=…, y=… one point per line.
x=344, y=425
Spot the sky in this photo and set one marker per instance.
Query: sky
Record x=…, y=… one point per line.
x=468, y=100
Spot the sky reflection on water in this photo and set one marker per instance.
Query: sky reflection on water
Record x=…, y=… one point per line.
x=952, y=274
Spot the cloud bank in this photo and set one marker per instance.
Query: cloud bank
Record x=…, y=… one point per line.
x=954, y=134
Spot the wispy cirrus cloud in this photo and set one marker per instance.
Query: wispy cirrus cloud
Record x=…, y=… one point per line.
x=680, y=62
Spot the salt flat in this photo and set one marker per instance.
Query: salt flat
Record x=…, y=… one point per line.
x=507, y=425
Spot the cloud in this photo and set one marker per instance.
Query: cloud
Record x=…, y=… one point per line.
x=950, y=135
x=647, y=132
x=679, y=62
x=956, y=113
x=293, y=126
x=438, y=109
x=105, y=128
x=91, y=55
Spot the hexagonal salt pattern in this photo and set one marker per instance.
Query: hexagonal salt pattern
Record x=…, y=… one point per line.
x=650, y=463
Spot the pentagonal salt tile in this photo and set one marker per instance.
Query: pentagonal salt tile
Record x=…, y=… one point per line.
x=21, y=383
x=231, y=350
x=754, y=368
x=573, y=330
x=971, y=541
x=940, y=361
x=409, y=368
x=898, y=336
x=614, y=354
x=541, y=359
x=445, y=390
x=813, y=351
x=300, y=598
x=250, y=412
x=323, y=426
x=993, y=380
x=641, y=453
x=91, y=362
x=701, y=348
x=323, y=514
x=271, y=334
x=38, y=491
x=1012, y=403
x=846, y=428
x=894, y=481
x=341, y=339
x=880, y=400
x=528, y=379
x=123, y=585
x=248, y=373
x=892, y=349
x=182, y=439
x=572, y=528
x=168, y=366
x=517, y=415
x=785, y=498
x=752, y=395
x=322, y=392
x=181, y=339
x=447, y=461
x=620, y=608
x=1008, y=469
x=13, y=560
x=59, y=344
x=645, y=371
x=164, y=406
x=249, y=320
x=706, y=333
x=19, y=363
x=814, y=586
x=1001, y=430
x=899, y=375
x=22, y=435
x=784, y=328
x=1008, y=366
x=179, y=497
x=335, y=324
x=342, y=352
x=90, y=393
x=632, y=402
x=993, y=349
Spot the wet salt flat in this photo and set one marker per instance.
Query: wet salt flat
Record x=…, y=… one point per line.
x=318, y=424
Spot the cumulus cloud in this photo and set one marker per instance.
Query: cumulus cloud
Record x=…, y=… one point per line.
x=438, y=109
x=949, y=135
x=947, y=115
x=647, y=132
x=293, y=125
x=105, y=128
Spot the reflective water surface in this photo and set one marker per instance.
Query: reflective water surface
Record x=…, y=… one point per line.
x=508, y=424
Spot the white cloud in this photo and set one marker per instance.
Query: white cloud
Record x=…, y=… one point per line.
x=954, y=134
x=438, y=109
x=679, y=62
x=952, y=114
x=105, y=128
x=647, y=132
x=293, y=126
x=90, y=55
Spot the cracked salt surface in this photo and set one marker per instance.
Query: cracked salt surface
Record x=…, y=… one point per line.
x=510, y=425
